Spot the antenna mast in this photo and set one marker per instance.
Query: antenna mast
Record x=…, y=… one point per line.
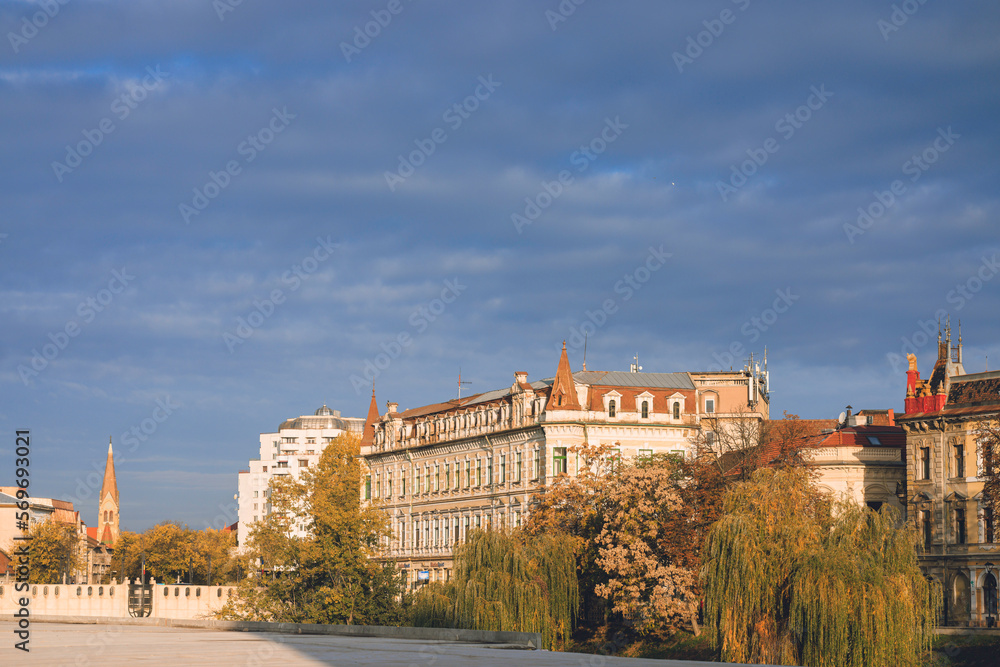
x=460, y=382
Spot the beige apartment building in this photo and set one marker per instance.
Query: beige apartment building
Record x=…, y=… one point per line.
x=443, y=469
x=944, y=481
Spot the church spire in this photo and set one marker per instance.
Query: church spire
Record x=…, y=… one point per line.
x=110, y=484
x=563, y=395
x=107, y=508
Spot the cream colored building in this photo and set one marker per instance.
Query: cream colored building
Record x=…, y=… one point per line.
x=443, y=469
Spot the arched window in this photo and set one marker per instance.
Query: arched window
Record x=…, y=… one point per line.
x=559, y=400
x=111, y=516
x=105, y=516
x=677, y=410
x=611, y=408
x=645, y=409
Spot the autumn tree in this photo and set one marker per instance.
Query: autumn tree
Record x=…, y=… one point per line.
x=334, y=574
x=175, y=551
x=507, y=581
x=53, y=550
x=742, y=443
x=791, y=578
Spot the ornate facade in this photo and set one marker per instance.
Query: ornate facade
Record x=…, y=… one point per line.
x=443, y=469
x=958, y=542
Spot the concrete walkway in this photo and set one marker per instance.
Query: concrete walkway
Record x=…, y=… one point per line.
x=57, y=644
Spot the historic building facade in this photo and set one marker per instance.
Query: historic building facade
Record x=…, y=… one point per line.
x=442, y=469
x=958, y=542
x=295, y=446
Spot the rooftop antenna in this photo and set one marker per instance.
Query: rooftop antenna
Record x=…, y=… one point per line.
x=635, y=365
x=461, y=382
x=585, y=350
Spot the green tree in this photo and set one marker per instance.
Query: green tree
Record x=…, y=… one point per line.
x=507, y=582
x=54, y=549
x=790, y=578
x=334, y=575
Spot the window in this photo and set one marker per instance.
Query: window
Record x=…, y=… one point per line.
x=427, y=479
x=468, y=473
x=959, y=460
x=988, y=529
x=925, y=463
x=710, y=405
x=710, y=438
x=378, y=485
x=265, y=468
x=437, y=477
x=868, y=420
x=402, y=534
x=479, y=471
x=535, y=464
x=874, y=505
x=388, y=484
x=517, y=467
x=925, y=523
x=303, y=463
x=447, y=475
x=489, y=471
x=255, y=494
x=677, y=410
x=645, y=409
x=368, y=487
x=959, y=526
x=310, y=441
x=416, y=534
x=447, y=527
x=402, y=479
x=612, y=408
x=645, y=453
x=282, y=464
x=437, y=533
x=503, y=468
x=416, y=479
x=558, y=460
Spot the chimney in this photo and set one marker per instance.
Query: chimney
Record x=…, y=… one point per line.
x=520, y=377
x=392, y=407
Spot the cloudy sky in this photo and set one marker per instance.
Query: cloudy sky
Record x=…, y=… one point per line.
x=241, y=211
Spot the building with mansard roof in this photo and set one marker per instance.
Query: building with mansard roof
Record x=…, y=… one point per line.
x=944, y=482
x=442, y=469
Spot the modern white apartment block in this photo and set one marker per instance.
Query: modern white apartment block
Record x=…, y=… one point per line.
x=295, y=446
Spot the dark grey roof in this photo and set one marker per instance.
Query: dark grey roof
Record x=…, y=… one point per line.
x=626, y=379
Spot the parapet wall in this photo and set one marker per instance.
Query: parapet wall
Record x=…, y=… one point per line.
x=180, y=601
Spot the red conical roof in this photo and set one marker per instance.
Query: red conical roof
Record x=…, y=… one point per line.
x=563, y=396
x=368, y=438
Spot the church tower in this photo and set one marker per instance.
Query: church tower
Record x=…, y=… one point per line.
x=107, y=509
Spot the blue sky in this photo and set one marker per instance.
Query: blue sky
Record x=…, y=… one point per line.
x=235, y=213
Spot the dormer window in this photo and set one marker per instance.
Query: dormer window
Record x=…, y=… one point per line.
x=559, y=400
x=612, y=408
x=645, y=409
x=677, y=410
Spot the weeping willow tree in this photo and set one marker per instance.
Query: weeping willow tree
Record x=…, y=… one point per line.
x=507, y=582
x=790, y=579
